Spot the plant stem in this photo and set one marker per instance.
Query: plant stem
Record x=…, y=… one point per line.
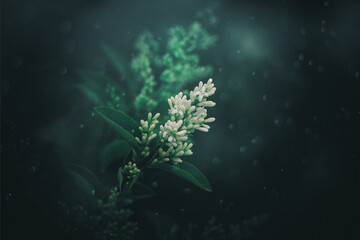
x=133, y=182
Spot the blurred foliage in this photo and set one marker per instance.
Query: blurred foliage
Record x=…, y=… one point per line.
x=168, y=67
x=215, y=230
x=178, y=66
x=108, y=221
x=99, y=88
x=207, y=16
x=167, y=228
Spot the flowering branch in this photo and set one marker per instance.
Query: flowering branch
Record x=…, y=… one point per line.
x=166, y=145
x=186, y=116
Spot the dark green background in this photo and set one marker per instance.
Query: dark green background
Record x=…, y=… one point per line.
x=285, y=142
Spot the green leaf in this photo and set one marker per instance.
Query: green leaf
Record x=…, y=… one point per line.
x=188, y=172
x=93, y=85
x=92, y=95
x=120, y=118
x=81, y=183
x=83, y=178
x=93, y=78
x=121, y=66
x=122, y=123
x=115, y=150
x=116, y=60
x=120, y=177
x=197, y=174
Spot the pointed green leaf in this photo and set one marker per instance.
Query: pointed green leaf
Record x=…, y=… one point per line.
x=93, y=85
x=83, y=178
x=188, y=172
x=120, y=118
x=190, y=168
x=92, y=95
x=84, y=172
x=115, y=150
x=120, y=178
x=93, y=78
x=122, y=123
x=81, y=183
x=116, y=60
x=121, y=66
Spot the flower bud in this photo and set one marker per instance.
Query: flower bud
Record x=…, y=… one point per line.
x=202, y=129
x=207, y=104
x=209, y=120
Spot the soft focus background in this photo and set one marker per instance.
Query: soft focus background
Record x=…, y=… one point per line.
x=286, y=138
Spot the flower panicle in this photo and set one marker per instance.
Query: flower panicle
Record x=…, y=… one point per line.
x=186, y=116
x=147, y=128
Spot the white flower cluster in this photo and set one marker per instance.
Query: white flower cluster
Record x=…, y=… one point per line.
x=147, y=133
x=186, y=116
